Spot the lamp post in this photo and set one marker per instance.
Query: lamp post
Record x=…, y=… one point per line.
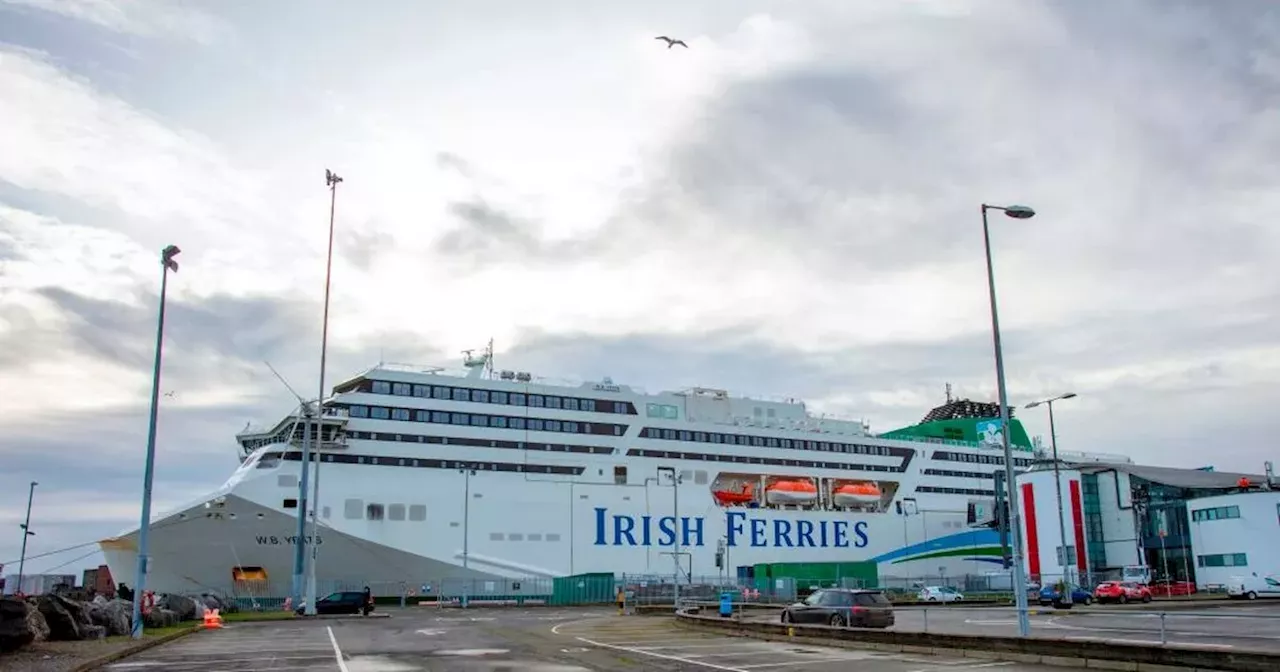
x=1019, y=578
x=1057, y=485
x=167, y=264
x=332, y=180
x=466, y=529
x=675, y=513
x=26, y=532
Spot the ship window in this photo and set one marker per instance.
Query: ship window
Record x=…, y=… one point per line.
x=381, y=387
x=570, y=404
x=497, y=421
x=553, y=425
x=324, y=512
x=772, y=413
x=552, y=536
x=495, y=536
x=480, y=396
x=395, y=512
x=670, y=412
x=553, y=402
x=359, y=412
x=517, y=423
x=515, y=536
x=460, y=394
x=620, y=475
x=773, y=443
x=699, y=477
x=353, y=509
x=535, y=424
x=380, y=412
x=399, y=414
x=533, y=536
x=620, y=407
x=653, y=410
x=422, y=416
x=417, y=512
x=290, y=504
x=287, y=481
x=498, y=397
x=517, y=399
x=402, y=389
x=478, y=420
x=440, y=417
x=617, y=430
x=756, y=411
x=588, y=405
x=460, y=419
x=422, y=390
x=438, y=392
x=535, y=400
x=374, y=511
x=686, y=435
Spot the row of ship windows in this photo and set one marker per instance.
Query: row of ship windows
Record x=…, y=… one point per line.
x=957, y=474
x=517, y=536
x=978, y=458
x=749, y=459
x=497, y=397
x=483, y=443
x=482, y=420
x=769, y=442
x=956, y=491
x=294, y=456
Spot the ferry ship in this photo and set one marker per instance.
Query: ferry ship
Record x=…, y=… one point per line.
x=428, y=474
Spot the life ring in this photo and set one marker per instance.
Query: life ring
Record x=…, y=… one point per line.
x=148, y=602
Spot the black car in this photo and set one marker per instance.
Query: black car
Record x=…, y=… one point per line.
x=346, y=602
x=839, y=607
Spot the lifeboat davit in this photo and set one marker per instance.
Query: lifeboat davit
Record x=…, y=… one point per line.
x=853, y=494
x=791, y=492
x=730, y=498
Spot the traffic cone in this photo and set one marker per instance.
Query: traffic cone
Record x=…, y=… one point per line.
x=212, y=619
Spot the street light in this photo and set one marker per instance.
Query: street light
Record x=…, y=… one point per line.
x=675, y=512
x=1019, y=578
x=1057, y=485
x=332, y=180
x=466, y=528
x=139, y=583
x=26, y=532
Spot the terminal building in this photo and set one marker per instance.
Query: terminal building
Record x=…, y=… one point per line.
x=1124, y=521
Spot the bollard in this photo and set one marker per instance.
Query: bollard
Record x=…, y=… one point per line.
x=926, y=619
x=1163, y=640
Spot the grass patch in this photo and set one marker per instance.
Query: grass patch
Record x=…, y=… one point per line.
x=244, y=616
x=152, y=633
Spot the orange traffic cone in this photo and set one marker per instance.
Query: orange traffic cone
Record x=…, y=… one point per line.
x=212, y=619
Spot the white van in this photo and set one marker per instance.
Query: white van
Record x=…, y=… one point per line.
x=1254, y=586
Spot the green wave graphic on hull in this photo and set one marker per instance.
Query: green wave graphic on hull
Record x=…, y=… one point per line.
x=953, y=552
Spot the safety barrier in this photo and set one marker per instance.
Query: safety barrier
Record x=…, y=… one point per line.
x=1044, y=650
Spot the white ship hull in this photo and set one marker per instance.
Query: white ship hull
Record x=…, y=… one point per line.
x=449, y=479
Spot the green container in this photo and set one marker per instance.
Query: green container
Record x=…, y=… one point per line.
x=594, y=588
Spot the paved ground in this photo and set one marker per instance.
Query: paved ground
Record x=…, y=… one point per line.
x=1252, y=627
x=512, y=640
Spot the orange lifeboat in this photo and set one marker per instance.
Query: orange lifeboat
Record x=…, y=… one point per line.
x=731, y=498
x=853, y=494
x=791, y=492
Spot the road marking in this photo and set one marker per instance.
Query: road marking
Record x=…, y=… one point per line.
x=471, y=652
x=659, y=655
x=795, y=662
x=576, y=649
x=431, y=633
x=337, y=652
x=954, y=666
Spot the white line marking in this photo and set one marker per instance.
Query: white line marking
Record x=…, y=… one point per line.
x=337, y=652
x=797, y=662
x=658, y=655
x=954, y=666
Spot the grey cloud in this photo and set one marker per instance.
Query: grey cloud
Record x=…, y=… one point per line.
x=453, y=162
x=361, y=248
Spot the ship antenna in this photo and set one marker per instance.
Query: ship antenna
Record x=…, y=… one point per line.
x=948, y=393
x=489, y=358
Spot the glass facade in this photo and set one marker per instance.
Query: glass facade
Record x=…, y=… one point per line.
x=1092, y=508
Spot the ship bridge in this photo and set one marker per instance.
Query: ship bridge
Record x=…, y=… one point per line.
x=329, y=434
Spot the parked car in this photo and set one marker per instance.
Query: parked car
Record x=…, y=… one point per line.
x=345, y=602
x=1051, y=595
x=1121, y=591
x=1253, y=587
x=839, y=607
x=939, y=594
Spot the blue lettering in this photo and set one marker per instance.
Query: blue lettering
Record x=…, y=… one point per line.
x=782, y=532
x=860, y=529
x=667, y=529
x=804, y=533
x=758, y=526
x=822, y=529
x=686, y=528
x=841, y=530
x=644, y=532
x=733, y=526
x=600, y=526
x=622, y=526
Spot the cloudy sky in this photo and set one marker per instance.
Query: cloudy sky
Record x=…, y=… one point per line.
x=790, y=207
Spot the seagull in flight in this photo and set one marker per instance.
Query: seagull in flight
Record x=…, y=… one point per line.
x=670, y=42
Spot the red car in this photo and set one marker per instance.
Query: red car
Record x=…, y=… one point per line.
x=1121, y=591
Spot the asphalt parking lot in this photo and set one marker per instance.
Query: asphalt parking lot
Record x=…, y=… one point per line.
x=511, y=640
x=1252, y=627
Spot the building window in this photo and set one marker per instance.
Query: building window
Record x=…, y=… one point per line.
x=1215, y=513
x=1223, y=560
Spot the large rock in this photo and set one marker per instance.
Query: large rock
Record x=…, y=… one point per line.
x=36, y=622
x=63, y=616
x=183, y=607
x=160, y=618
x=115, y=616
x=15, y=629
